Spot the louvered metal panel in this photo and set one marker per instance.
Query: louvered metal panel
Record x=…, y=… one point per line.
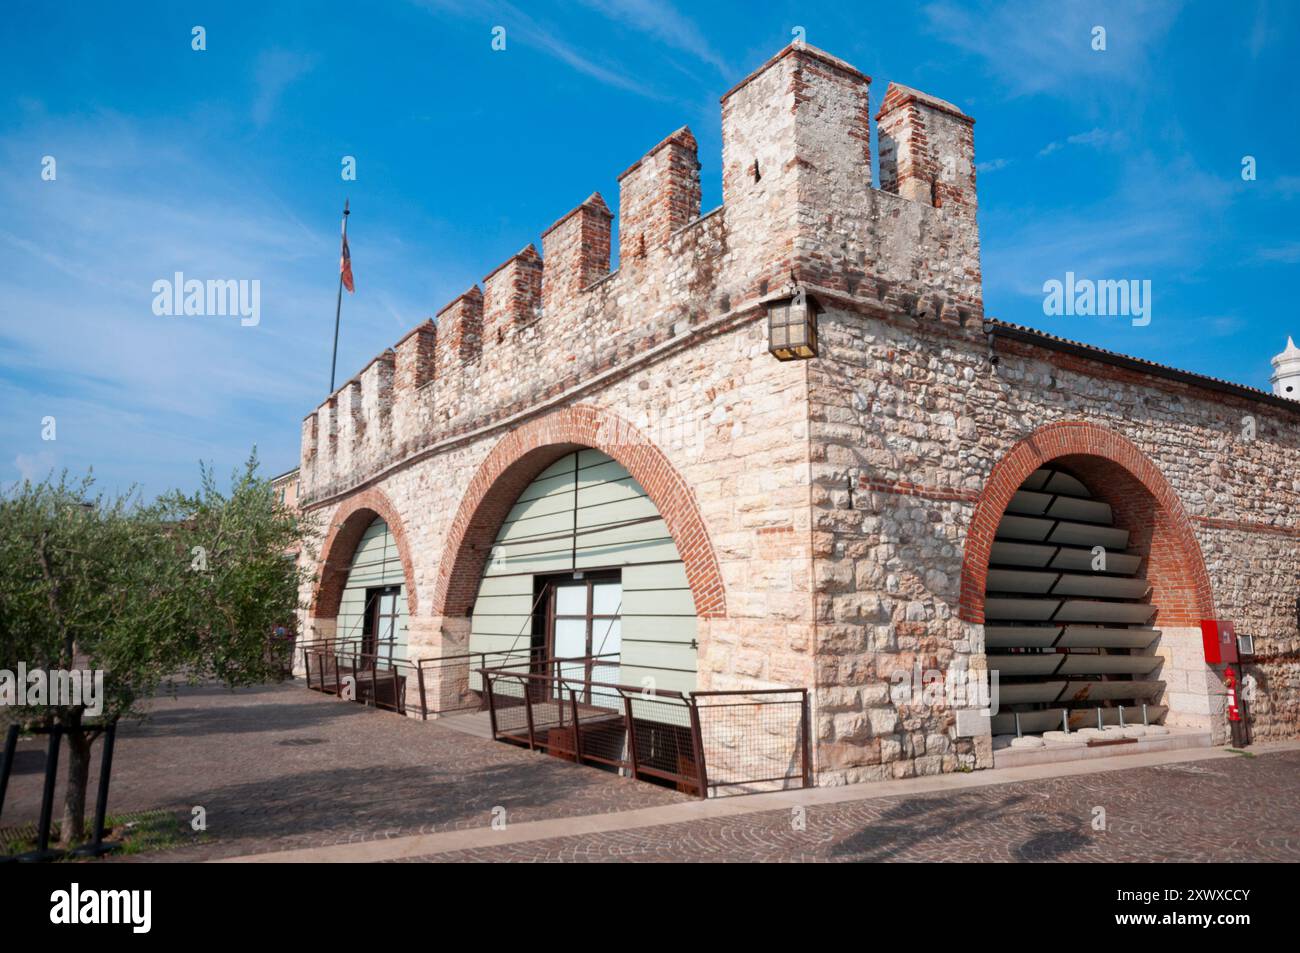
x=1037, y=663
x=1066, y=558
x=1072, y=663
x=1027, y=610
x=1121, y=564
x=1021, y=636
x=1049, y=719
x=1066, y=584
x=1028, y=503
x=1067, y=636
x=1060, y=634
x=1036, y=480
x=1086, y=610
x=1021, y=554
x=1078, y=663
x=1017, y=580
x=1101, y=637
x=1111, y=690
x=1080, y=511
x=1061, y=482
x=1087, y=534
x=1100, y=587
x=1029, y=528
x=1025, y=692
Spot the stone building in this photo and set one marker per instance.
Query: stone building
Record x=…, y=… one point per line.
x=931, y=492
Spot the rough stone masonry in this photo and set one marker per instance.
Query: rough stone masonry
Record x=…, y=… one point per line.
x=835, y=515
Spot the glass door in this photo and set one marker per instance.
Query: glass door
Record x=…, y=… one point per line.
x=569, y=627
x=379, y=630
x=606, y=629
x=585, y=626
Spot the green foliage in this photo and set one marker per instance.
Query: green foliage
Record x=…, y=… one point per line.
x=192, y=585
x=135, y=833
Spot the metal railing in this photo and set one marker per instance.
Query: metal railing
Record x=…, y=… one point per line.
x=437, y=686
x=756, y=739
x=701, y=743
x=372, y=679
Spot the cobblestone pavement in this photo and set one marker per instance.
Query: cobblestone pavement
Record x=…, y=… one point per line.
x=1173, y=812
x=280, y=767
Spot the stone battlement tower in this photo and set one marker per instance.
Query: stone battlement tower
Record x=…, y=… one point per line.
x=925, y=493
x=798, y=205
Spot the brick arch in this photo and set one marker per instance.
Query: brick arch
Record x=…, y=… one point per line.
x=527, y=451
x=1117, y=471
x=348, y=524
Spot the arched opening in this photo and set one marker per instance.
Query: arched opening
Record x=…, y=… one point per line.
x=353, y=523
x=525, y=453
x=372, y=614
x=1069, y=607
x=584, y=566
x=1072, y=642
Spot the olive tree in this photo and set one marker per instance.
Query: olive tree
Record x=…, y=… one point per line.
x=189, y=587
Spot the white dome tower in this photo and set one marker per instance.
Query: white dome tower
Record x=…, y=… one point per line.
x=1286, y=372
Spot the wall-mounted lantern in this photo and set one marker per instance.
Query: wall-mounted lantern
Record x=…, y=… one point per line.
x=792, y=326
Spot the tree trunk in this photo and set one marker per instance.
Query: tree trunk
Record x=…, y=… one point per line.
x=73, y=829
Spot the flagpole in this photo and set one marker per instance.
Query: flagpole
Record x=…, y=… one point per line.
x=338, y=306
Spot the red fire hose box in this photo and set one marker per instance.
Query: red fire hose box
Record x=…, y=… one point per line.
x=1220, y=640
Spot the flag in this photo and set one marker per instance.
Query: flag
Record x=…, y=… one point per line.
x=345, y=259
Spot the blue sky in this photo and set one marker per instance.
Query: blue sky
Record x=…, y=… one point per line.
x=225, y=163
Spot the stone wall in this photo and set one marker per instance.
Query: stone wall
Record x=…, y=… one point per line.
x=913, y=421
x=836, y=500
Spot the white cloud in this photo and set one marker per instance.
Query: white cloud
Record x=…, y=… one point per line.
x=275, y=71
x=143, y=397
x=522, y=28
x=35, y=466
x=1152, y=222
x=1045, y=46
x=1098, y=137
x=662, y=22
x=1288, y=253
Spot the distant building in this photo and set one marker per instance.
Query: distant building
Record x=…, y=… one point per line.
x=1286, y=372
x=286, y=488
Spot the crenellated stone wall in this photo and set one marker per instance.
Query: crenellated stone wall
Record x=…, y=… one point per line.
x=831, y=507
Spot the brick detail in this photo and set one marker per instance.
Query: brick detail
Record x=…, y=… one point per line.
x=576, y=252
x=1117, y=471
x=308, y=439
x=658, y=195
x=415, y=357
x=460, y=333
x=906, y=488
x=927, y=150
x=519, y=457
x=347, y=525
x=512, y=293
x=1246, y=526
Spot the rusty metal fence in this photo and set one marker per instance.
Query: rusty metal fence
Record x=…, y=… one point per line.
x=756, y=740
x=715, y=742
x=371, y=678
x=432, y=686
x=702, y=743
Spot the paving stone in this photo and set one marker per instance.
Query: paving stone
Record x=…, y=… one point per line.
x=1151, y=814
x=279, y=767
